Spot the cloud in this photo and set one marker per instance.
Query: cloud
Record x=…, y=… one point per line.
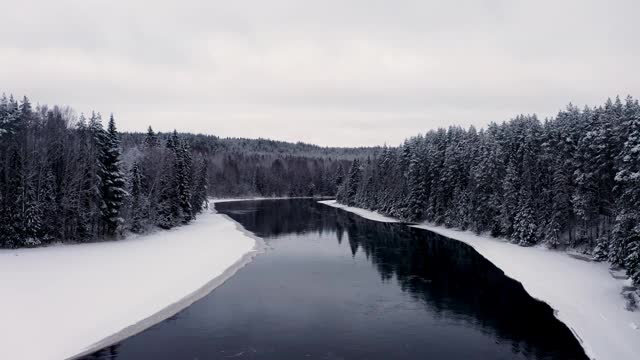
x=331, y=72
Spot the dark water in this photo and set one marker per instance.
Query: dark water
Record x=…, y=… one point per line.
x=335, y=286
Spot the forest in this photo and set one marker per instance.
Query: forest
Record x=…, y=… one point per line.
x=68, y=178
x=571, y=181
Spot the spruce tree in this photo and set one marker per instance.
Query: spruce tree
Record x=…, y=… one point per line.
x=560, y=207
x=509, y=206
x=486, y=186
x=353, y=182
x=169, y=209
x=151, y=140
x=90, y=197
x=112, y=180
x=32, y=227
x=49, y=206
x=416, y=182
x=25, y=113
x=184, y=180
x=136, y=207
x=199, y=201
x=339, y=176
x=15, y=200
x=524, y=223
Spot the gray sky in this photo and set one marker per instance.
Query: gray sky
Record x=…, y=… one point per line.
x=331, y=72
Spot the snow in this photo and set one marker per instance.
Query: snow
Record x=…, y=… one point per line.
x=64, y=300
x=371, y=215
x=585, y=295
x=222, y=200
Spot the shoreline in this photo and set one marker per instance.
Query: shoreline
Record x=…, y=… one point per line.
x=585, y=296
x=174, y=308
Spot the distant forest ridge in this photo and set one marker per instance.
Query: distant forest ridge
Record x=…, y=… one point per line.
x=569, y=181
x=268, y=146
x=263, y=167
x=70, y=178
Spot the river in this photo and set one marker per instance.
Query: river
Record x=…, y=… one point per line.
x=332, y=285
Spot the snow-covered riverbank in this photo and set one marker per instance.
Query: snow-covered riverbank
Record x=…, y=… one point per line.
x=585, y=295
x=61, y=301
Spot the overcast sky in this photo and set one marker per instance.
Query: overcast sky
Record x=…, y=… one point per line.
x=331, y=72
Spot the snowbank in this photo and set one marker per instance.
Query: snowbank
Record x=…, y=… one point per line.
x=222, y=200
x=61, y=301
x=368, y=214
x=585, y=295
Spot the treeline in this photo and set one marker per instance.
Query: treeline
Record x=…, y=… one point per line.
x=570, y=181
x=64, y=181
x=65, y=178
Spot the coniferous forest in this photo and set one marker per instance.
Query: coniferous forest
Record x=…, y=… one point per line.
x=572, y=181
x=70, y=178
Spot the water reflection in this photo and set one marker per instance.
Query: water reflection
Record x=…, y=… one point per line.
x=339, y=286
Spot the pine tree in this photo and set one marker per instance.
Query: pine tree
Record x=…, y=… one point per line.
x=15, y=202
x=525, y=221
x=436, y=207
x=90, y=196
x=560, y=192
x=486, y=186
x=383, y=174
x=25, y=113
x=353, y=182
x=417, y=192
x=509, y=206
x=184, y=177
x=524, y=224
x=461, y=215
x=151, y=140
x=173, y=142
x=168, y=205
x=31, y=231
x=137, y=208
x=169, y=209
x=200, y=191
x=112, y=180
x=49, y=206
x=339, y=176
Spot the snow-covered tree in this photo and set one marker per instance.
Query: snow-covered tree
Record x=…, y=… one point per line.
x=626, y=234
x=183, y=181
x=151, y=140
x=168, y=205
x=353, y=182
x=416, y=181
x=136, y=200
x=112, y=179
x=199, y=196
